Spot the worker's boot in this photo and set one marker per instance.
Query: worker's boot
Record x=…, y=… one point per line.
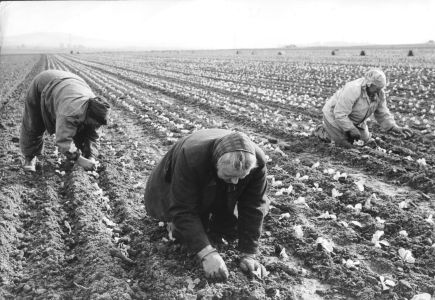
x=30, y=163
x=321, y=133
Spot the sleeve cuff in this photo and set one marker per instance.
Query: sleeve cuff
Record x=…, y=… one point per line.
x=206, y=251
x=247, y=255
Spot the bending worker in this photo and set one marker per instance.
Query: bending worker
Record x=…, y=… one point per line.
x=346, y=112
x=62, y=103
x=197, y=186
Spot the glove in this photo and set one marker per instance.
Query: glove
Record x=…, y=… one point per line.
x=249, y=264
x=213, y=264
x=353, y=135
x=405, y=132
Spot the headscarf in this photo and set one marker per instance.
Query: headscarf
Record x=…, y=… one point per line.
x=236, y=141
x=98, y=109
x=376, y=77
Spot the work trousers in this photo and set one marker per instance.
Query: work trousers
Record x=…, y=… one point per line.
x=328, y=133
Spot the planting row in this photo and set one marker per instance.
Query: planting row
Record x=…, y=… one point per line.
x=337, y=224
x=417, y=156
x=284, y=82
x=14, y=68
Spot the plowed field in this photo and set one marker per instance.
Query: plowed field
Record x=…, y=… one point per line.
x=345, y=223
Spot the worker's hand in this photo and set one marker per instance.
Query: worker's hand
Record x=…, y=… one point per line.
x=353, y=135
x=214, y=267
x=250, y=265
x=371, y=143
x=87, y=164
x=405, y=132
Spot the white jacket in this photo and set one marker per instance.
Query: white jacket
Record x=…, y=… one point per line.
x=350, y=106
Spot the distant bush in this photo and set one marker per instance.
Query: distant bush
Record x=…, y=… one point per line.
x=71, y=52
x=333, y=52
x=410, y=53
x=280, y=52
x=362, y=53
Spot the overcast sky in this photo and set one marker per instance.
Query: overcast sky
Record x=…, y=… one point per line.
x=226, y=23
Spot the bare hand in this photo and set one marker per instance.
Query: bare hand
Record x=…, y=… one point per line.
x=249, y=264
x=214, y=266
x=371, y=143
x=405, y=132
x=87, y=164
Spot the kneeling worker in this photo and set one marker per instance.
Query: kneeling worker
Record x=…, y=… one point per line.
x=345, y=114
x=197, y=186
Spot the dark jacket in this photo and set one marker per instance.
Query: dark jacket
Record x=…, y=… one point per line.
x=184, y=186
x=60, y=99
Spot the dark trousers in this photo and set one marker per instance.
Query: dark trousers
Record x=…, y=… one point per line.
x=32, y=126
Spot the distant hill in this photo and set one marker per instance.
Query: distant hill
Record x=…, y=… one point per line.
x=54, y=40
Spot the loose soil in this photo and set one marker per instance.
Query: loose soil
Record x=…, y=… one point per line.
x=70, y=234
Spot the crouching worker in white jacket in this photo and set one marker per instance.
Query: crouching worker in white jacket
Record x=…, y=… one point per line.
x=346, y=112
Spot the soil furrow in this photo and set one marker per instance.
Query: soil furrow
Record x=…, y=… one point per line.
x=162, y=269
x=150, y=240
x=34, y=259
x=147, y=240
x=388, y=166
x=225, y=93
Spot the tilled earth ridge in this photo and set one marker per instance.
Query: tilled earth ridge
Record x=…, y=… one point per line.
x=67, y=233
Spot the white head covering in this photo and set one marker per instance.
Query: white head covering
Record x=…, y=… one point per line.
x=376, y=77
